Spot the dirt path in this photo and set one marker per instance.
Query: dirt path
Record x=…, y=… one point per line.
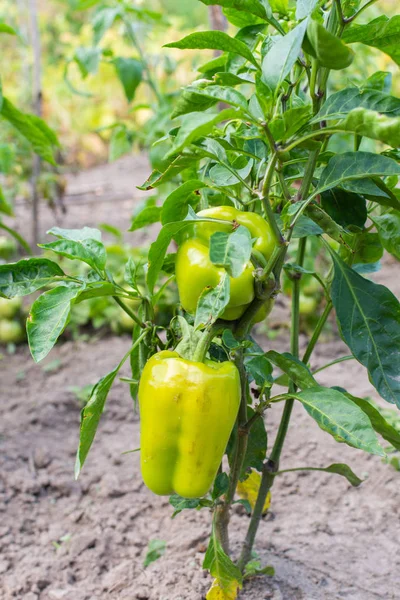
x=86, y=540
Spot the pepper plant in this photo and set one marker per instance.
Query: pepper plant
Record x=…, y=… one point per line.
x=275, y=154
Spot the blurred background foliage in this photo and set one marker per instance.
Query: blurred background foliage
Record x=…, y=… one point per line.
x=82, y=97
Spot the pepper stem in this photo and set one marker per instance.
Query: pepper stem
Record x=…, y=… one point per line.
x=202, y=347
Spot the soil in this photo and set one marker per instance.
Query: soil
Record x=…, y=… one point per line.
x=86, y=540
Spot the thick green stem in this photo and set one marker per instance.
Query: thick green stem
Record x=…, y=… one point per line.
x=272, y=464
x=205, y=341
x=129, y=312
x=222, y=512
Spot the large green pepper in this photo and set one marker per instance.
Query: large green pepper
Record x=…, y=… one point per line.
x=187, y=413
x=195, y=271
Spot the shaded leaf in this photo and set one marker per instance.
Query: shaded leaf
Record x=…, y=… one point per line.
x=346, y=208
x=368, y=315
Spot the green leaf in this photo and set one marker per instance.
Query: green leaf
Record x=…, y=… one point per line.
x=5, y=207
x=342, y=103
x=254, y=7
x=27, y=276
x=48, y=318
x=96, y=289
x=281, y=57
x=27, y=125
x=129, y=71
x=378, y=422
x=79, y=244
x=371, y=124
x=355, y=165
x=90, y=416
x=382, y=33
x=232, y=251
x=337, y=468
x=102, y=21
x=368, y=315
x=325, y=222
x=345, y=207
x=368, y=248
x=373, y=189
x=4, y=28
x=214, y=40
x=340, y=417
x=304, y=8
x=380, y=81
x=222, y=176
x=328, y=49
x=221, y=485
x=256, y=446
x=199, y=98
x=181, y=504
x=175, y=206
x=260, y=370
x=388, y=227
x=189, y=338
x=147, y=216
x=24, y=244
x=196, y=125
x=120, y=143
x=178, y=164
x=88, y=60
x=159, y=248
x=212, y=303
x=220, y=565
x=296, y=370
x=155, y=551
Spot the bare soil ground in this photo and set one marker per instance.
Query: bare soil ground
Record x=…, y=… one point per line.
x=86, y=540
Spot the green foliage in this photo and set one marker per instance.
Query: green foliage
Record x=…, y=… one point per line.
x=369, y=319
x=155, y=551
x=381, y=33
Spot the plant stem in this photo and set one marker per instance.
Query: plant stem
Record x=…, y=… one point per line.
x=317, y=332
x=222, y=512
x=272, y=464
x=129, y=312
x=205, y=341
